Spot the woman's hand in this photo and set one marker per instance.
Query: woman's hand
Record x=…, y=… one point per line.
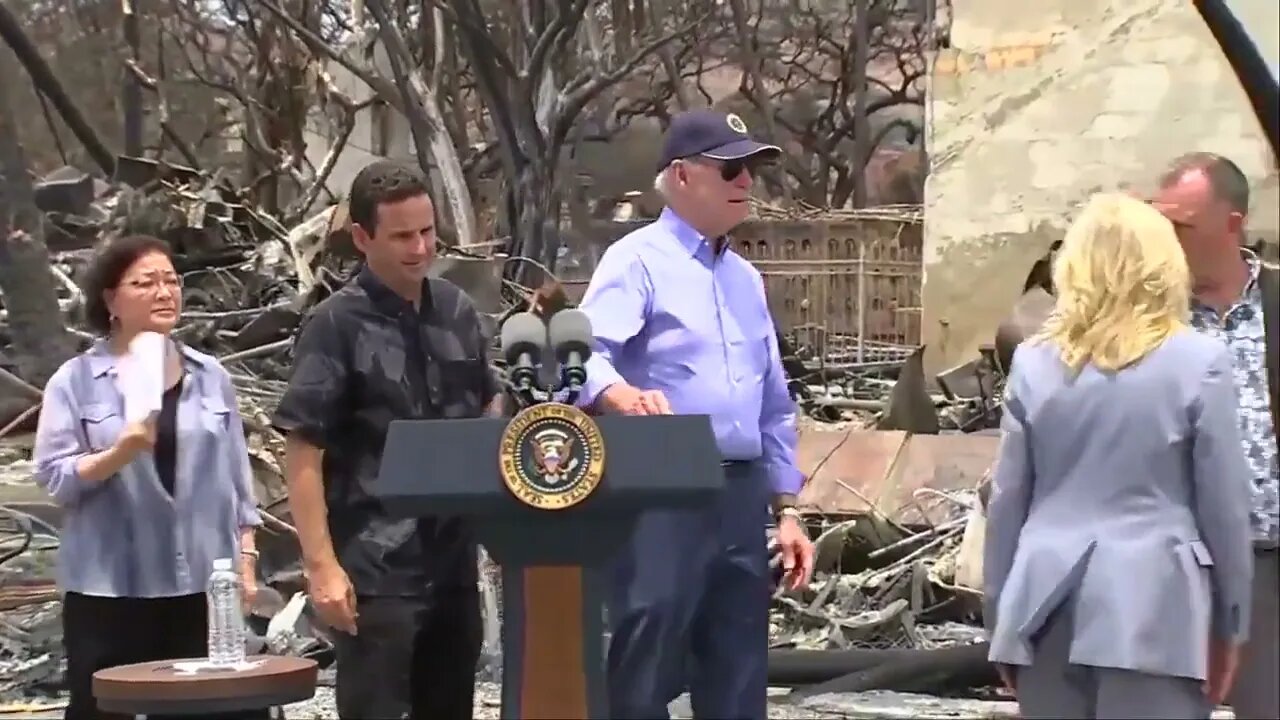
x=248, y=580
x=1224, y=661
x=1008, y=676
x=136, y=437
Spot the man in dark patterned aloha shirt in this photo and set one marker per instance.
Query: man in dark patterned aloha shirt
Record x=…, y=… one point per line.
x=1207, y=198
x=392, y=344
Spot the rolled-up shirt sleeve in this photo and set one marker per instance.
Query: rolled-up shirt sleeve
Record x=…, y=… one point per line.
x=778, y=433
x=315, y=399
x=247, y=514
x=617, y=301
x=60, y=440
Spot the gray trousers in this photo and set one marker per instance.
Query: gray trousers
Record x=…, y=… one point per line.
x=1256, y=694
x=1052, y=687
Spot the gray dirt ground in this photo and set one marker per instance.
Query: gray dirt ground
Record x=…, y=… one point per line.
x=860, y=706
x=321, y=707
x=865, y=705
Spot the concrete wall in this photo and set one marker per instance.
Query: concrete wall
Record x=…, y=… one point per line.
x=1037, y=105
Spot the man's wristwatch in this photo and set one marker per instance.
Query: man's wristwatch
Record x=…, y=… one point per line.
x=787, y=511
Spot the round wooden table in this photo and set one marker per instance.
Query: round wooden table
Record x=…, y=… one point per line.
x=163, y=688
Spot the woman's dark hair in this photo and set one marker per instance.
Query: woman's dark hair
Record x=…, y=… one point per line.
x=106, y=269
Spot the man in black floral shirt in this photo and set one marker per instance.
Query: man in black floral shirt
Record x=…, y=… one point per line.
x=1207, y=198
x=390, y=345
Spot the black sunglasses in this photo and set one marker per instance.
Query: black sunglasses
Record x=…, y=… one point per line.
x=731, y=169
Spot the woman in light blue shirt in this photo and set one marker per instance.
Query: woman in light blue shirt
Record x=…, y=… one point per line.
x=149, y=505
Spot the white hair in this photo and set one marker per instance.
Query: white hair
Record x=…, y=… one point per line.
x=662, y=182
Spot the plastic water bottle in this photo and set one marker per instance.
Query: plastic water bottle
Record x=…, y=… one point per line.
x=226, y=615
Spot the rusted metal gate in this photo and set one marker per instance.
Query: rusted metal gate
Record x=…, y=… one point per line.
x=852, y=278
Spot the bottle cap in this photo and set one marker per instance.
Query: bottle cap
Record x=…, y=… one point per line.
x=222, y=564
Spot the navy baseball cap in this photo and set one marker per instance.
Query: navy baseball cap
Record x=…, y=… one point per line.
x=710, y=134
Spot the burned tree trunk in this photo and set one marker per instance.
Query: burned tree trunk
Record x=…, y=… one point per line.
x=427, y=125
x=40, y=341
x=131, y=90
x=534, y=103
x=536, y=216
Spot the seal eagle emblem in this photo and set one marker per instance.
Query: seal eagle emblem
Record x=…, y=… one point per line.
x=551, y=456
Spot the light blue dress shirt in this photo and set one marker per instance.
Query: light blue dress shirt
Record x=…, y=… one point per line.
x=127, y=536
x=669, y=314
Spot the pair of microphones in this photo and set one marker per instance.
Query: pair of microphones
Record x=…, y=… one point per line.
x=526, y=340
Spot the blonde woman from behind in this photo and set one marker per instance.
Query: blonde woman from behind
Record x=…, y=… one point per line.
x=1117, y=560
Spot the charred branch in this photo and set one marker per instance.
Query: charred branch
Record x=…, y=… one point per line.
x=141, y=79
x=48, y=85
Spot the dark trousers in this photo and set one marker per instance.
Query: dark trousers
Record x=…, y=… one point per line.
x=690, y=608
x=103, y=632
x=1256, y=694
x=411, y=657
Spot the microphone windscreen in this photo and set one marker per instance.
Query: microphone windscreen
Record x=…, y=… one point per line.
x=523, y=333
x=570, y=330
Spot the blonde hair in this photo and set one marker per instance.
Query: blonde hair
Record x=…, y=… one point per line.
x=1122, y=282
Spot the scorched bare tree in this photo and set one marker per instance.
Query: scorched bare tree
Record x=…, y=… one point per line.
x=27, y=287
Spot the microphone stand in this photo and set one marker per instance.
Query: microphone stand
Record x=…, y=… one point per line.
x=530, y=394
x=571, y=397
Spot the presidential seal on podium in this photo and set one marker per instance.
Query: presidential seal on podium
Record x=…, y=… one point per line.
x=551, y=456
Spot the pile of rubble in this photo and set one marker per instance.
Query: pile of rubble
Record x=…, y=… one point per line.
x=891, y=608
x=882, y=385
x=900, y=601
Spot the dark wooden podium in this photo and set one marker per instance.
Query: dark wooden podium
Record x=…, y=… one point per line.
x=552, y=494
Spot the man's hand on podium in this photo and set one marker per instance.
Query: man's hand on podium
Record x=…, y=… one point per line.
x=333, y=596
x=623, y=399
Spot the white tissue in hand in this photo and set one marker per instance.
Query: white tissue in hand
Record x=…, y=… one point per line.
x=140, y=375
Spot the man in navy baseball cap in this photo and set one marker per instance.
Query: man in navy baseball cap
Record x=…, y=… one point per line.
x=682, y=325
x=707, y=170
